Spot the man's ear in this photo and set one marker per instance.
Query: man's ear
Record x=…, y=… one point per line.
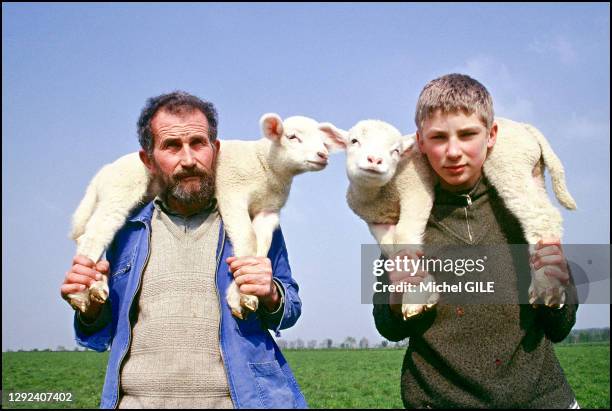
x=272, y=126
x=146, y=160
x=336, y=139
x=492, y=136
x=408, y=145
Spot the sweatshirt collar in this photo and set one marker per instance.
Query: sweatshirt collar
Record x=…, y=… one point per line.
x=460, y=198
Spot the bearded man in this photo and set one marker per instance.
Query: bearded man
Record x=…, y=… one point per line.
x=173, y=341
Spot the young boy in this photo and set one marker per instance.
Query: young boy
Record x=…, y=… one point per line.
x=469, y=355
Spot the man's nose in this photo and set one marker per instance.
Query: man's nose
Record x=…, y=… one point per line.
x=187, y=158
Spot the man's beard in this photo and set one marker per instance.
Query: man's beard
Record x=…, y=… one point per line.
x=171, y=187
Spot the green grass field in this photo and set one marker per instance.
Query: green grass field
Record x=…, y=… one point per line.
x=329, y=378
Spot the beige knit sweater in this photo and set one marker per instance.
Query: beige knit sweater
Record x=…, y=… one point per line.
x=174, y=359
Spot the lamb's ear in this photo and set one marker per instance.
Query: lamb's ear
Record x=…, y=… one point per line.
x=271, y=126
x=336, y=139
x=408, y=145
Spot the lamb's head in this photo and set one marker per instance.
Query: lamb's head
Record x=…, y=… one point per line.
x=373, y=151
x=299, y=143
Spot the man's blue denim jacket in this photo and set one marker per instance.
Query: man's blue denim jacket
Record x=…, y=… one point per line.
x=257, y=373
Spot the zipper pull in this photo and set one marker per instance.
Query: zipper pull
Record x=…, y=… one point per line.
x=467, y=220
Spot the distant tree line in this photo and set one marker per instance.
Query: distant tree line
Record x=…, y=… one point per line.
x=588, y=335
x=349, y=342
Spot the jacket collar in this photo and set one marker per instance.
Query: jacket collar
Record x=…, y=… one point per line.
x=144, y=214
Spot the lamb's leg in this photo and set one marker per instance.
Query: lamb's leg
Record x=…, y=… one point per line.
x=415, y=302
x=526, y=197
x=239, y=228
x=416, y=187
x=549, y=225
x=384, y=235
x=109, y=216
x=264, y=225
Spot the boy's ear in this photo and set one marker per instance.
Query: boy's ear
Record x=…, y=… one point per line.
x=272, y=126
x=492, y=135
x=408, y=145
x=336, y=138
x=419, y=142
x=146, y=160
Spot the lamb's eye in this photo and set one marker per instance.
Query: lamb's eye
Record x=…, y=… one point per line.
x=396, y=151
x=354, y=141
x=294, y=137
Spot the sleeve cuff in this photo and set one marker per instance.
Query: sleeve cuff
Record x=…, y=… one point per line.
x=90, y=327
x=281, y=304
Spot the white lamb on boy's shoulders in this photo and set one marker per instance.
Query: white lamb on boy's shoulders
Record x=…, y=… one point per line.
x=392, y=189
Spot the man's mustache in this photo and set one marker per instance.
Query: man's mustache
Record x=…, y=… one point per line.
x=186, y=174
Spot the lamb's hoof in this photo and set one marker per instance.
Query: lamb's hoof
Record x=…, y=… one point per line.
x=432, y=300
x=410, y=310
x=554, y=297
x=78, y=302
x=238, y=313
x=249, y=302
x=98, y=292
x=532, y=299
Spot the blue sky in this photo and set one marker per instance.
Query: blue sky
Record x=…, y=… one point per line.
x=75, y=77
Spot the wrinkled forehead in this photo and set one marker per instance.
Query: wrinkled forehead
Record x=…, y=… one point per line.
x=375, y=133
x=301, y=125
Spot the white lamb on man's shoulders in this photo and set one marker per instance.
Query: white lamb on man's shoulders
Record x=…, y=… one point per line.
x=253, y=180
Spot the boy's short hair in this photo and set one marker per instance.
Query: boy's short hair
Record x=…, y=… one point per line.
x=452, y=93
